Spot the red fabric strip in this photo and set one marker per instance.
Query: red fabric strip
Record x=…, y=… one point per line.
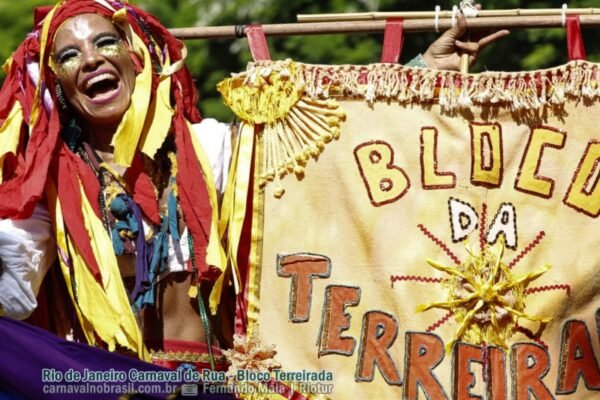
x=142, y=189
x=574, y=39
x=21, y=194
x=393, y=38
x=257, y=43
x=69, y=194
x=39, y=13
x=193, y=196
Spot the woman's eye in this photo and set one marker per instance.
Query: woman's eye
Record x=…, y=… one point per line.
x=67, y=55
x=107, y=41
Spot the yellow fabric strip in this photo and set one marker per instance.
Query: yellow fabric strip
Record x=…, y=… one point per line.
x=44, y=39
x=109, y=309
x=10, y=132
x=61, y=241
x=158, y=122
x=238, y=203
x=228, y=196
x=7, y=65
x=169, y=70
x=127, y=137
x=255, y=267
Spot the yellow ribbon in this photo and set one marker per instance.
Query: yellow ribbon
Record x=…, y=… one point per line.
x=103, y=310
x=129, y=131
x=215, y=254
x=35, y=109
x=234, y=205
x=10, y=133
x=160, y=116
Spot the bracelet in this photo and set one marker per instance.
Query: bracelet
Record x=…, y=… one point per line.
x=418, y=62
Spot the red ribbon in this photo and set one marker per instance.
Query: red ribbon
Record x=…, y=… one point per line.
x=574, y=39
x=257, y=43
x=393, y=38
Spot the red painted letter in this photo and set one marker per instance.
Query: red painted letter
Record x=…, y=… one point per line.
x=379, y=332
x=302, y=268
x=424, y=351
x=335, y=320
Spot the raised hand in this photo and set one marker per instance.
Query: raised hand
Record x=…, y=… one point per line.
x=446, y=51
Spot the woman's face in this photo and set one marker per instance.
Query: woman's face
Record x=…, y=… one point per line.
x=94, y=68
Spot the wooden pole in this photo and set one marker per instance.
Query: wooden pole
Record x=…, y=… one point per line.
x=371, y=16
x=378, y=26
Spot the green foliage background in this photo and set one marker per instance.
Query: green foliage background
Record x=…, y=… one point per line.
x=213, y=60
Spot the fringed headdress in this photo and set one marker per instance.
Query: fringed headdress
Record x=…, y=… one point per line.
x=36, y=163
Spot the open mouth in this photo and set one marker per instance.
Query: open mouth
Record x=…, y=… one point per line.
x=102, y=88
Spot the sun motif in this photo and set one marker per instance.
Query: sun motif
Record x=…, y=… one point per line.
x=484, y=296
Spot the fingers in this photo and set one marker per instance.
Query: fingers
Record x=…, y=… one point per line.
x=456, y=31
x=474, y=47
x=468, y=47
x=493, y=37
x=461, y=25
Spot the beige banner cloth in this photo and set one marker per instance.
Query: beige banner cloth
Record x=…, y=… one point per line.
x=424, y=234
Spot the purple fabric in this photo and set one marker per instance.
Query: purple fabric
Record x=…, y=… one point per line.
x=143, y=255
x=25, y=351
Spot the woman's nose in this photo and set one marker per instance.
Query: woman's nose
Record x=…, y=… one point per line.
x=91, y=59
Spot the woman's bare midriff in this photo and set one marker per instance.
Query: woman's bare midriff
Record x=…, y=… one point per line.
x=175, y=314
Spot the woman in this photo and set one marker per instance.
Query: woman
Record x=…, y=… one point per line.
x=96, y=101
x=95, y=104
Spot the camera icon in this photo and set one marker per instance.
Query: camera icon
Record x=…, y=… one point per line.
x=189, y=389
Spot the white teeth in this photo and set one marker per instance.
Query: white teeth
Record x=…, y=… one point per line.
x=99, y=78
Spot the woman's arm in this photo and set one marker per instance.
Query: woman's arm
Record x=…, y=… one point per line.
x=27, y=250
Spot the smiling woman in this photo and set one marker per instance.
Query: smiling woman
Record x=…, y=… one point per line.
x=106, y=157
x=95, y=70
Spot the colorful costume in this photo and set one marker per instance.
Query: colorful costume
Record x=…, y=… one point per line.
x=97, y=210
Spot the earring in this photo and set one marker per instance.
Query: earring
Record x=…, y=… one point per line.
x=71, y=135
x=60, y=96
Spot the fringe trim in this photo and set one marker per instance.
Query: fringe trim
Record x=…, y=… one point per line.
x=297, y=103
x=518, y=91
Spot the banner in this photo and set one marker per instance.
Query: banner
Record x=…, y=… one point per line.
x=424, y=234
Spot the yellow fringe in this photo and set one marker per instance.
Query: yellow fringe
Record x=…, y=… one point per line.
x=35, y=109
x=55, y=210
x=160, y=115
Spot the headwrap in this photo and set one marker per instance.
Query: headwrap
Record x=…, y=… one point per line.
x=35, y=162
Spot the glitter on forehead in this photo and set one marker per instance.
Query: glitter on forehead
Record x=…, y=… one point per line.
x=82, y=29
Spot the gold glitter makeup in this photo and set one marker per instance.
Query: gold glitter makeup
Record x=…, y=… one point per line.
x=113, y=50
x=69, y=61
x=64, y=68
